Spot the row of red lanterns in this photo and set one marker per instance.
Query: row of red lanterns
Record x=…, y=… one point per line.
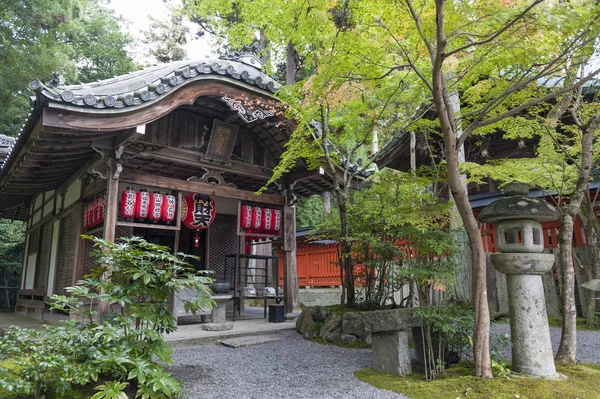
x=94, y=212
x=143, y=205
x=258, y=220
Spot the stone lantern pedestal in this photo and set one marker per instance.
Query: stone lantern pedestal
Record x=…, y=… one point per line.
x=520, y=242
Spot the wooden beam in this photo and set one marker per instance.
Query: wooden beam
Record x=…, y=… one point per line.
x=196, y=186
x=148, y=226
x=194, y=159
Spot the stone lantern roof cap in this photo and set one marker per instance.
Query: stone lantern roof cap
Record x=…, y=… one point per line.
x=517, y=205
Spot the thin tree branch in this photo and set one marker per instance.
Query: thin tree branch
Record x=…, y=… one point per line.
x=516, y=110
x=498, y=32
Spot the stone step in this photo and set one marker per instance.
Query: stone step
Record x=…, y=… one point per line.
x=241, y=342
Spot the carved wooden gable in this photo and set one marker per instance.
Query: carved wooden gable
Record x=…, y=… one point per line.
x=214, y=140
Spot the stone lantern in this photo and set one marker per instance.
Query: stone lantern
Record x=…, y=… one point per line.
x=520, y=242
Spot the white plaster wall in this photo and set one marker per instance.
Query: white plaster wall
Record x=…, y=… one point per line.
x=73, y=193
x=37, y=217
x=31, y=259
x=38, y=201
x=53, y=253
x=49, y=207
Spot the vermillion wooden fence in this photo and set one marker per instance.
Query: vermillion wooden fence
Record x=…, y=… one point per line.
x=317, y=264
x=551, y=231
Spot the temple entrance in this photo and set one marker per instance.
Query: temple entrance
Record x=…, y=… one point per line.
x=189, y=245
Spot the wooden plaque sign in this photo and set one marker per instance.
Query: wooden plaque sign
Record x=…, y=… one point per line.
x=221, y=142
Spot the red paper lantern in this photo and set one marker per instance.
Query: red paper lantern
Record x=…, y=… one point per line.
x=197, y=211
x=100, y=208
x=156, y=201
x=169, y=205
x=256, y=219
x=267, y=220
x=128, y=200
x=276, y=221
x=142, y=204
x=246, y=217
x=92, y=216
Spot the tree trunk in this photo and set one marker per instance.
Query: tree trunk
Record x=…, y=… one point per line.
x=327, y=201
x=441, y=97
x=568, y=339
x=591, y=225
x=481, y=345
x=346, y=250
x=348, y=274
x=291, y=64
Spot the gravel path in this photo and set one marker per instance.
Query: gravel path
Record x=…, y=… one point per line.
x=588, y=343
x=290, y=368
x=297, y=368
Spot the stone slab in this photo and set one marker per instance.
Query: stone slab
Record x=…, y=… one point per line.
x=391, y=353
x=248, y=341
x=217, y=326
x=391, y=320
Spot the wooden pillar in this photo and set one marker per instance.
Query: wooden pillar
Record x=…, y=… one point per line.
x=110, y=220
x=112, y=204
x=290, y=275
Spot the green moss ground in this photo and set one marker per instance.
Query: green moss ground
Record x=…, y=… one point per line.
x=458, y=382
x=556, y=321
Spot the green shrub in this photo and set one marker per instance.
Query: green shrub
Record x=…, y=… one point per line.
x=447, y=331
x=124, y=349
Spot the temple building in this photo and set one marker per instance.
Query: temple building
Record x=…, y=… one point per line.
x=174, y=154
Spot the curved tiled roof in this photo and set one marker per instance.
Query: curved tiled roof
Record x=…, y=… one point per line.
x=141, y=88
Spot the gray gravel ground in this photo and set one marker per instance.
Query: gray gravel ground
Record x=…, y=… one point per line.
x=296, y=368
x=588, y=343
x=290, y=368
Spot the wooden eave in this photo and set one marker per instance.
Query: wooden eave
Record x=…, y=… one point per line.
x=63, y=140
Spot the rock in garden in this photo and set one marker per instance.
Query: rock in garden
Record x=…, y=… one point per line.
x=300, y=320
x=348, y=339
x=305, y=321
x=353, y=324
x=332, y=328
x=320, y=314
x=313, y=331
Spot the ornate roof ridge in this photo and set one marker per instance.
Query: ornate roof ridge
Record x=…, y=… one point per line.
x=150, y=84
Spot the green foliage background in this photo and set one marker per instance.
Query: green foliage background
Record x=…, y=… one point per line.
x=80, y=39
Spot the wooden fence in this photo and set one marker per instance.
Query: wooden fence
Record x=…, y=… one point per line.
x=317, y=264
